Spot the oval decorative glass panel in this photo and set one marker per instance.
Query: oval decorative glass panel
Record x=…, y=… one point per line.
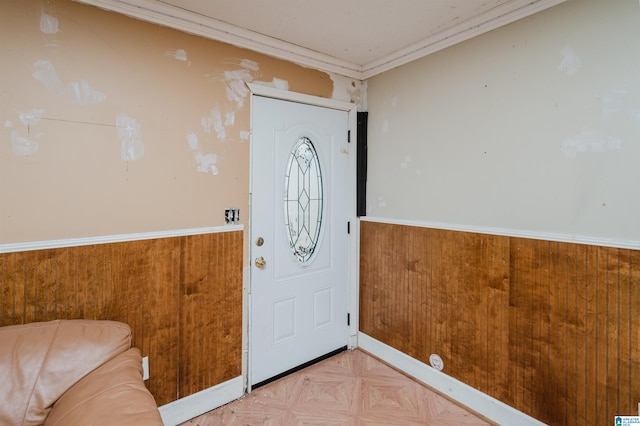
x=303, y=200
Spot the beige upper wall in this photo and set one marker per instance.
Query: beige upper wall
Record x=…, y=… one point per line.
x=110, y=125
x=531, y=127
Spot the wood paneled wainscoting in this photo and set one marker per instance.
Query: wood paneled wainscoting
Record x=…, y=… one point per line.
x=182, y=297
x=549, y=328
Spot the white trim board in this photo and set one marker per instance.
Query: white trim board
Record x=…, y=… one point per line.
x=121, y=238
x=506, y=232
x=302, y=98
x=471, y=398
x=191, y=406
x=173, y=17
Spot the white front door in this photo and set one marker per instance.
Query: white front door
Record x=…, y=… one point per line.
x=299, y=240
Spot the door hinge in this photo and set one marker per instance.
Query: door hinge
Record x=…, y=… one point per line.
x=348, y=227
x=349, y=136
x=348, y=319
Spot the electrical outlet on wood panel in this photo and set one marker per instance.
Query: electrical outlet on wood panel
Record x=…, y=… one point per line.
x=145, y=368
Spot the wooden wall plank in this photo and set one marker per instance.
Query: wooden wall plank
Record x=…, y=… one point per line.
x=612, y=325
x=141, y=283
x=626, y=337
x=634, y=332
x=546, y=327
x=600, y=353
x=211, y=317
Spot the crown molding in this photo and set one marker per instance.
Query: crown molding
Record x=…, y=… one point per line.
x=480, y=24
x=163, y=14
x=170, y=16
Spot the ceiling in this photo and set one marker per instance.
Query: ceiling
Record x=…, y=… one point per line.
x=354, y=38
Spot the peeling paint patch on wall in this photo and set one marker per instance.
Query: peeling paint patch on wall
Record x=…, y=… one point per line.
x=82, y=94
x=206, y=162
x=46, y=74
x=276, y=83
x=613, y=100
x=571, y=63
x=236, y=88
x=48, y=24
x=405, y=163
x=249, y=65
x=178, y=55
x=589, y=141
x=23, y=146
x=31, y=117
x=229, y=118
x=349, y=90
x=131, y=137
x=214, y=119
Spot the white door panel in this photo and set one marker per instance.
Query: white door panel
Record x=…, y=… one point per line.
x=298, y=308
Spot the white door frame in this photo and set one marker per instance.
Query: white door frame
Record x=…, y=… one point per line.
x=354, y=236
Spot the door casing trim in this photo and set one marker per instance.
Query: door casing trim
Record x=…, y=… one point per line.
x=354, y=236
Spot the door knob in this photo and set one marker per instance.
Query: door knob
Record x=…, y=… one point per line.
x=260, y=262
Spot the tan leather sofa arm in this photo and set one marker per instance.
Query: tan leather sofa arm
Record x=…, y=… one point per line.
x=113, y=394
x=40, y=361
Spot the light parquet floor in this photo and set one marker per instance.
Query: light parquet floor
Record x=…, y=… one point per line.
x=351, y=388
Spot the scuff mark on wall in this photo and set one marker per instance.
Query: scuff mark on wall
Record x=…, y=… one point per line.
x=32, y=117
x=82, y=94
x=131, y=137
x=214, y=119
x=192, y=140
x=235, y=85
x=23, y=146
x=276, y=83
x=205, y=162
x=229, y=118
x=178, y=55
x=613, y=100
x=236, y=88
x=46, y=74
x=48, y=24
x=405, y=163
x=244, y=135
x=249, y=65
x=589, y=141
x=385, y=126
x=349, y=90
x=570, y=63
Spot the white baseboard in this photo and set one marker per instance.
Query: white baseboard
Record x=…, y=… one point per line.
x=191, y=406
x=475, y=400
